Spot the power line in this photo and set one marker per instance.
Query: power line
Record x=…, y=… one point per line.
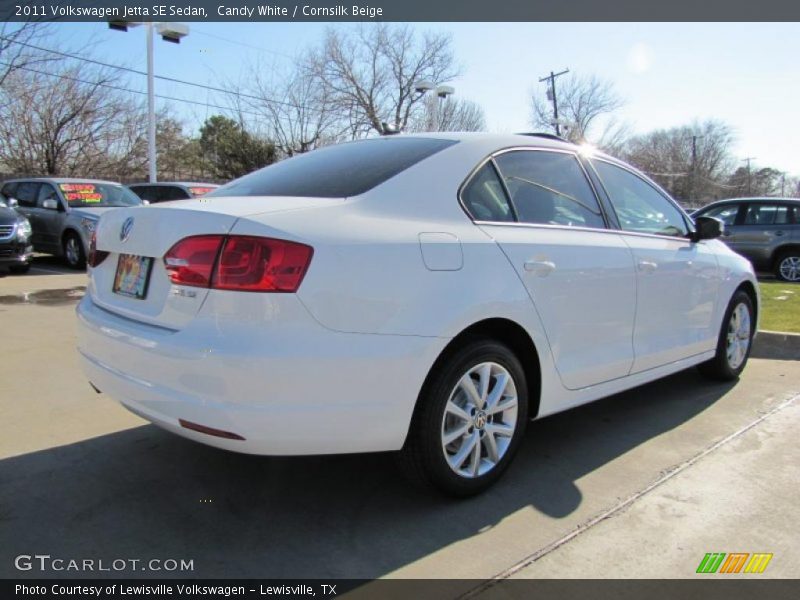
x=162, y=77
x=124, y=89
x=238, y=43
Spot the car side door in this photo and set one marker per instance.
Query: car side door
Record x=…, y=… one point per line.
x=51, y=219
x=545, y=216
x=766, y=226
x=677, y=279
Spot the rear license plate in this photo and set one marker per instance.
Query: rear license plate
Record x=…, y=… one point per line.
x=133, y=275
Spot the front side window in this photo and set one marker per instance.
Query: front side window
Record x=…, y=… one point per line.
x=767, y=214
x=725, y=213
x=639, y=206
x=549, y=188
x=47, y=192
x=484, y=198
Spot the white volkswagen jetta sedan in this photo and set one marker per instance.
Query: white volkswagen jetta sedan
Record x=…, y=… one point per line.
x=428, y=294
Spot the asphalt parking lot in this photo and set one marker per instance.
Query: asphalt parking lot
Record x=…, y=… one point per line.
x=642, y=484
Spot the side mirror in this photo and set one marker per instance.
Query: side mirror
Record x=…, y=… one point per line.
x=13, y=203
x=50, y=204
x=145, y=202
x=707, y=228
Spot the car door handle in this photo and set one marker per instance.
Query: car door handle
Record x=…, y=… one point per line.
x=779, y=233
x=647, y=266
x=542, y=268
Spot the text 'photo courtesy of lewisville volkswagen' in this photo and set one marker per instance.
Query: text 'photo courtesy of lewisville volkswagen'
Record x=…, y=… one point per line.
x=427, y=294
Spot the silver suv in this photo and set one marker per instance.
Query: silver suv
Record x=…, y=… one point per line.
x=765, y=230
x=63, y=212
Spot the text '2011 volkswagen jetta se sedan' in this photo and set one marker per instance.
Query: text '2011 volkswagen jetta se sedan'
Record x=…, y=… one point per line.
x=427, y=294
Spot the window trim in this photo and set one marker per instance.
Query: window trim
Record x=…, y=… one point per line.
x=517, y=222
x=687, y=220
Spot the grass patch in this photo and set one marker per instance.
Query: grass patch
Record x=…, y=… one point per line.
x=780, y=306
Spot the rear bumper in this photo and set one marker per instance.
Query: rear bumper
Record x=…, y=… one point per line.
x=259, y=366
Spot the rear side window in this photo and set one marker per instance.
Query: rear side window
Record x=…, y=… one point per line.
x=27, y=191
x=484, y=198
x=767, y=214
x=336, y=171
x=549, y=188
x=172, y=192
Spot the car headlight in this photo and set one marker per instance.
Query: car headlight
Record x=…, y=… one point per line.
x=88, y=224
x=24, y=230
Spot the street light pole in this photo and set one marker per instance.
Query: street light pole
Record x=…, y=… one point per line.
x=151, y=107
x=169, y=32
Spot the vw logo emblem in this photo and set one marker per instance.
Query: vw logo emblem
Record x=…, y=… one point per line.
x=125, y=232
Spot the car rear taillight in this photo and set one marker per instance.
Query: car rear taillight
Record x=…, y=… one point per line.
x=95, y=256
x=238, y=262
x=191, y=261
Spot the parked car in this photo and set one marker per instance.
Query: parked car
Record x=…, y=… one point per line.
x=428, y=294
x=173, y=190
x=15, y=233
x=64, y=212
x=765, y=230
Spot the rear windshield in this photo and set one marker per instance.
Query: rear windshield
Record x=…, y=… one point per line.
x=336, y=171
x=85, y=195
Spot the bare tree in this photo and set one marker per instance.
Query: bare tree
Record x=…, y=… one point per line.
x=63, y=122
x=451, y=114
x=582, y=102
x=692, y=162
x=16, y=46
x=295, y=105
x=371, y=73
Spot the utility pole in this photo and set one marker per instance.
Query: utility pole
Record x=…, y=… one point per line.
x=551, y=79
x=783, y=184
x=749, y=174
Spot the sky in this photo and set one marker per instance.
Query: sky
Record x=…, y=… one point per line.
x=668, y=74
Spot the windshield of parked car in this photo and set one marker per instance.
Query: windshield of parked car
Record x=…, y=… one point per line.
x=336, y=171
x=98, y=195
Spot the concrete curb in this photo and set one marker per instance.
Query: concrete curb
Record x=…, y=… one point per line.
x=776, y=345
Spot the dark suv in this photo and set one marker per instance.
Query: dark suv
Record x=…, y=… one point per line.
x=174, y=190
x=765, y=230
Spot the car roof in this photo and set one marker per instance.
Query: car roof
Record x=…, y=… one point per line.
x=58, y=180
x=760, y=199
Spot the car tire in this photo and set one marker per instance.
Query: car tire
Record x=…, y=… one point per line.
x=787, y=266
x=74, y=255
x=459, y=442
x=735, y=340
x=20, y=269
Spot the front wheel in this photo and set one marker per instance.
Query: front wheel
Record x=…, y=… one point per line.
x=734, y=342
x=73, y=251
x=469, y=421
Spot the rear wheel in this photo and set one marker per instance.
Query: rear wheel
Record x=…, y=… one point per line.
x=73, y=251
x=469, y=420
x=787, y=266
x=735, y=340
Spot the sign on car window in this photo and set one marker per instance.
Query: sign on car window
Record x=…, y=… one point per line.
x=81, y=193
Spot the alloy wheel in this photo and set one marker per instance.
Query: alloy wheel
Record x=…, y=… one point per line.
x=479, y=420
x=789, y=268
x=738, y=336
